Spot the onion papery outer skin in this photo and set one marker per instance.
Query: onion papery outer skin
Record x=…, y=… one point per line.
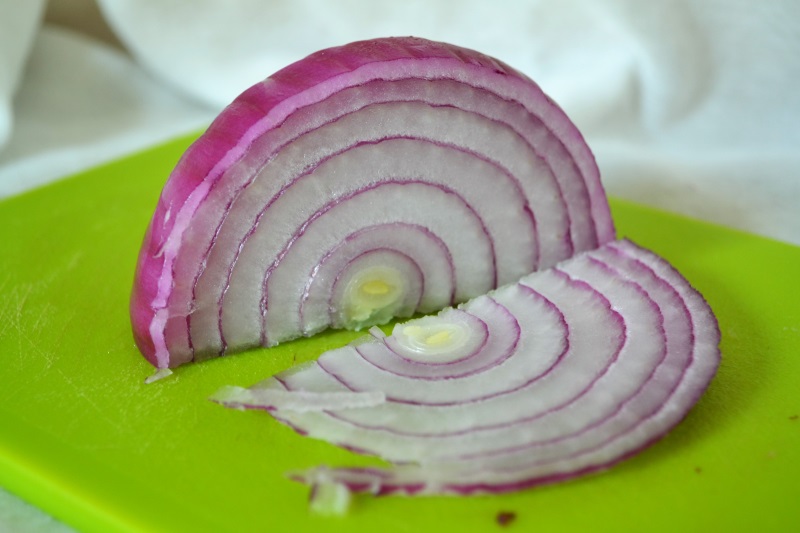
x=641, y=347
x=203, y=200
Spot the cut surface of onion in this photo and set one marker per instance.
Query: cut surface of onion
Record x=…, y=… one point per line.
x=398, y=176
x=373, y=180
x=565, y=372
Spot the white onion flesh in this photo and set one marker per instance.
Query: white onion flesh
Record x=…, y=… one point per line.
x=398, y=176
x=583, y=365
x=450, y=162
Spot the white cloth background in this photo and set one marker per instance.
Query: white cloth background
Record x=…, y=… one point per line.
x=690, y=105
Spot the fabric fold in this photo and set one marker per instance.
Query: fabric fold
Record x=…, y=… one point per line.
x=18, y=24
x=82, y=103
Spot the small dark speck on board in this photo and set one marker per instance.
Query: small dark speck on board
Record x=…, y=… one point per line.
x=794, y=417
x=698, y=470
x=504, y=518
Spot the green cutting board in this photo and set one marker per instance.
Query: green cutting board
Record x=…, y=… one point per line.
x=82, y=436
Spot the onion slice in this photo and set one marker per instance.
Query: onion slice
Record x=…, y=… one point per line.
x=568, y=371
x=372, y=180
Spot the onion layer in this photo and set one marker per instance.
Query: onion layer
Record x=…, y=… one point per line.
x=395, y=176
x=571, y=370
x=367, y=181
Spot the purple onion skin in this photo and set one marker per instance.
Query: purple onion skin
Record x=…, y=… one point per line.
x=230, y=135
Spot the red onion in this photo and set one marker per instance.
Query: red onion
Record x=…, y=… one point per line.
x=565, y=372
x=378, y=179
x=399, y=176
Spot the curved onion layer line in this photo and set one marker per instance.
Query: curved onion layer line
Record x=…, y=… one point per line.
x=324, y=208
x=378, y=195
x=344, y=150
x=502, y=171
x=408, y=357
x=376, y=355
x=202, y=200
x=400, y=259
x=492, y=350
x=558, y=328
x=518, y=462
x=449, y=413
x=491, y=232
x=496, y=380
x=300, y=230
x=438, y=196
x=521, y=398
x=284, y=146
x=516, y=374
x=514, y=424
x=673, y=301
x=581, y=433
x=669, y=357
x=229, y=205
x=308, y=170
x=423, y=248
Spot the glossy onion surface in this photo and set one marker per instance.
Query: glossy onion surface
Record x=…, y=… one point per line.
x=373, y=180
x=565, y=372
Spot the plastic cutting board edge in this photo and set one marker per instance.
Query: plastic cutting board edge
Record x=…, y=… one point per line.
x=82, y=437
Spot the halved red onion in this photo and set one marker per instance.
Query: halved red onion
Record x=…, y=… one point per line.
x=379, y=178
x=565, y=372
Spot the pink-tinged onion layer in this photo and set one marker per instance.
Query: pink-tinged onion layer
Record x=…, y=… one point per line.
x=566, y=372
x=379, y=178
